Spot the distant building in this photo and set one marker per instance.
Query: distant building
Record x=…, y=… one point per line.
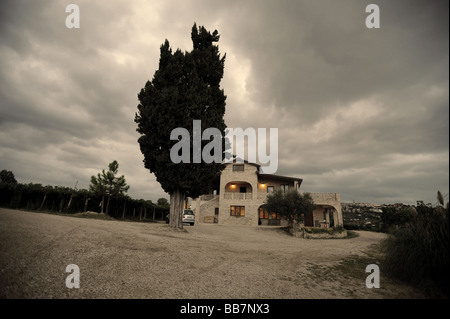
x=361, y=216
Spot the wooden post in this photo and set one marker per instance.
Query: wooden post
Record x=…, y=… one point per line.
x=70, y=201
x=43, y=201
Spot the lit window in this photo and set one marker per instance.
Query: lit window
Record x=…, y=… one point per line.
x=263, y=214
x=237, y=211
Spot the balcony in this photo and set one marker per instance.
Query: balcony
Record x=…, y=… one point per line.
x=238, y=196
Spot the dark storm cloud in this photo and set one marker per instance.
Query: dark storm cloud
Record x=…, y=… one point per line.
x=307, y=55
x=363, y=112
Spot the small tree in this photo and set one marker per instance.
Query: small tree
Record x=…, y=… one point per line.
x=107, y=184
x=291, y=205
x=7, y=177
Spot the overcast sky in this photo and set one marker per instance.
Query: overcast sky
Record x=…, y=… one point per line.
x=361, y=112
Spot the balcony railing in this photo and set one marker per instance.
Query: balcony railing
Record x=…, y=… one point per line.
x=238, y=196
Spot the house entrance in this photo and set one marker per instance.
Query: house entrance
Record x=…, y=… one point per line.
x=309, y=219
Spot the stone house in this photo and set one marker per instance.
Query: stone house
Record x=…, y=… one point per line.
x=240, y=194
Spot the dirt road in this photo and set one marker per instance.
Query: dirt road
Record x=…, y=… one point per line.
x=120, y=259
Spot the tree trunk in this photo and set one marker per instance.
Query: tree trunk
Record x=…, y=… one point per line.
x=102, y=203
x=124, y=207
x=61, y=204
x=176, y=209
x=107, y=205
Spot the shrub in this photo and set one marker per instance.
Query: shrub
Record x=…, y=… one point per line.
x=418, y=251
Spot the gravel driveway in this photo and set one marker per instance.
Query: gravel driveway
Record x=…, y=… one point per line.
x=119, y=259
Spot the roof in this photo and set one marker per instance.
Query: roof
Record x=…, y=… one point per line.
x=285, y=178
x=241, y=161
x=280, y=177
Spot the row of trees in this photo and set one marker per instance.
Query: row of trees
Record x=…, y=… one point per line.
x=105, y=187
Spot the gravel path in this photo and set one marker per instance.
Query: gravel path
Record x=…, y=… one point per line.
x=149, y=260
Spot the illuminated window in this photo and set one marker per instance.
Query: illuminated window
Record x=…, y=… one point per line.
x=238, y=211
x=263, y=214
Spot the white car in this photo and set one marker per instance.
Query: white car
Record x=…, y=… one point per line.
x=189, y=216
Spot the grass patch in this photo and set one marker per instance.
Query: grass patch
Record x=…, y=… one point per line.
x=350, y=274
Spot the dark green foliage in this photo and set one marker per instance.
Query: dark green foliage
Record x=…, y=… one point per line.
x=107, y=183
x=417, y=250
x=162, y=202
x=186, y=87
x=393, y=217
x=7, y=177
x=291, y=205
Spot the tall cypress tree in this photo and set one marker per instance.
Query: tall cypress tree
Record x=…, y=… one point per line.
x=186, y=87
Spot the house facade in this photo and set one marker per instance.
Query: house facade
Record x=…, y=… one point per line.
x=241, y=195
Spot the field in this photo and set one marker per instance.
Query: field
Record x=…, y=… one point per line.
x=119, y=259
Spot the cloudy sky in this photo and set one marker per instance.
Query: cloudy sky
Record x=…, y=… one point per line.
x=362, y=112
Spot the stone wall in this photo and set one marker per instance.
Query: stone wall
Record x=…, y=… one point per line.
x=328, y=200
x=324, y=235
x=205, y=209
